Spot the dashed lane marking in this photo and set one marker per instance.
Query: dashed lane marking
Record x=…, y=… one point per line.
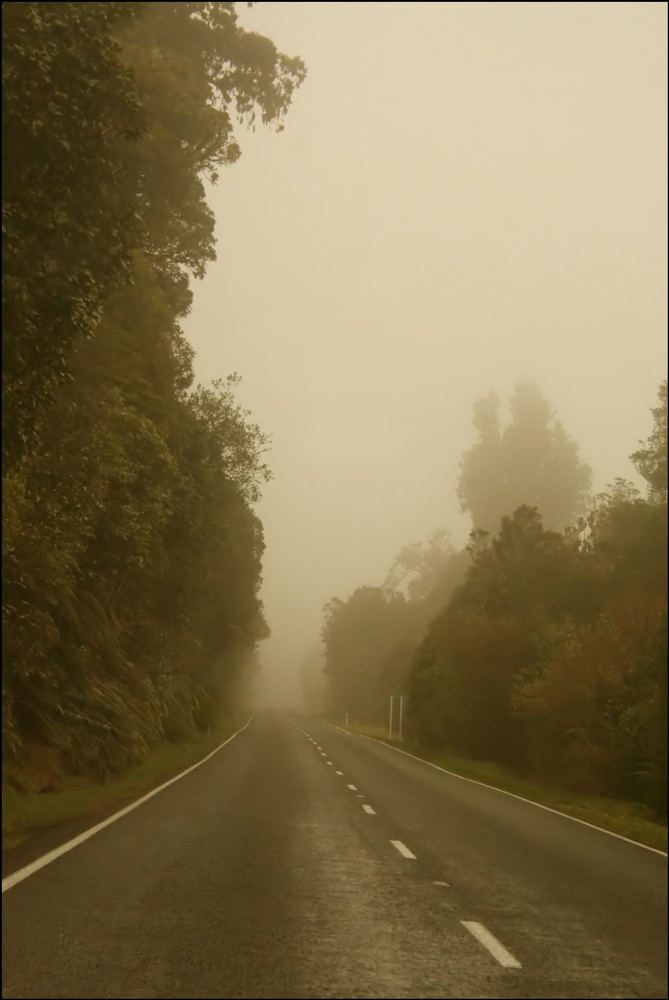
x=403, y=849
x=491, y=944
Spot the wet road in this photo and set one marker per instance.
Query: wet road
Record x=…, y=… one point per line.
x=302, y=861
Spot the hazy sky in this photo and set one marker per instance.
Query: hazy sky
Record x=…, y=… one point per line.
x=465, y=194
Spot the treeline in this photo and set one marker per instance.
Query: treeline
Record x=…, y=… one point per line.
x=548, y=648
x=131, y=552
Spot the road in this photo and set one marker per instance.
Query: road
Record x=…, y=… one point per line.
x=303, y=861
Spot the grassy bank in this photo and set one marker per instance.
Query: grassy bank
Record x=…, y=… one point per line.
x=89, y=798
x=629, y=819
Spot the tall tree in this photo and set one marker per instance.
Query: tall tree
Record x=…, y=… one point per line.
x=69, y=108
x=481, y=486
x=531, y=462
x=113, y=116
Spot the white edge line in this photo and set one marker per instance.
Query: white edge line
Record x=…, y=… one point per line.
x=403, y=849
x=491, y=944
x=503, y=791
x=22, y=873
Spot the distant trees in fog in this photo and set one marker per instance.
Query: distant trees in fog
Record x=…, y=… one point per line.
x=529, y=462
x=548, y=648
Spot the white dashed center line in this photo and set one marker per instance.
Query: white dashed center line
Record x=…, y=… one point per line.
x=368, y=809
x=340, y=773
x=491, y=944
x=329, y=763
x=352, y=787
x=403, y=849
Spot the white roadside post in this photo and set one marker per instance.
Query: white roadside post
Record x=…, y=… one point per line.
x=401, y=716
x=390, y=719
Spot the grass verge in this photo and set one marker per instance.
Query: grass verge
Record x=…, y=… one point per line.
x=87, y=797
x=629, y=819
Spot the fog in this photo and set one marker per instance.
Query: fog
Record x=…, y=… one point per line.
x=464, y=195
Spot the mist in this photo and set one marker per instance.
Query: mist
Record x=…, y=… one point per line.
x=464, y=196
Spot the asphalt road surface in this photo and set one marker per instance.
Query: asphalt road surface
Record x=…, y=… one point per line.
x=303, y=861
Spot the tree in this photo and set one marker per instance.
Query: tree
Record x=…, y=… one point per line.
x=481, y=488
x=489, y=635
x=531, y=462
x=198, y=71
x=114, y=114
x=70, y=108
x=358, y=635
x=131, y=553
x=651, y=459
x=420, y=565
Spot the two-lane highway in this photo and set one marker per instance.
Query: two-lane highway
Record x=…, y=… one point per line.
x=303, y=861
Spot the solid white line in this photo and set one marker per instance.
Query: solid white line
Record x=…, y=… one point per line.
x=491, y=944
x=352, y=787
x=46, y=859
x=503, y=791
x=403, y=849
x=368, y=809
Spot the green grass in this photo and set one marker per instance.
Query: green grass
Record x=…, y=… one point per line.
x=629, y=819
x=88, y=798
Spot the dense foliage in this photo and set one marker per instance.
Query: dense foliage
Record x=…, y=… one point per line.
x=131, y=552
x=370, y=639
x=548, y=649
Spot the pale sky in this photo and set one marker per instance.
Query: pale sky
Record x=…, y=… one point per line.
x=465, y=194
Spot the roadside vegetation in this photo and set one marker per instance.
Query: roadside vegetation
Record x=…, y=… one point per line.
x=131, y=549
x=87, y=797
x=542, y=647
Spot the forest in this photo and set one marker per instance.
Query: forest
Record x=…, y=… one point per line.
x=543, y=644
x=131, y=550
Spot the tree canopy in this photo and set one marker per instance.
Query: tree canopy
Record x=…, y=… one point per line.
x=540, y=646
x=529, y=462
x=131, y=550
